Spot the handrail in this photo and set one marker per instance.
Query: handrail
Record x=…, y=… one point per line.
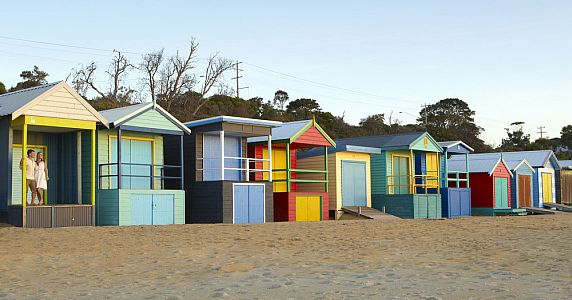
x=151, y=176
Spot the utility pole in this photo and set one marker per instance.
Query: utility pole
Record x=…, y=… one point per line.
x=540, y=130
x=238, y=88
x=425, y=113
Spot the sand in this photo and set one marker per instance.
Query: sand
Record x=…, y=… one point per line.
x=480, y=257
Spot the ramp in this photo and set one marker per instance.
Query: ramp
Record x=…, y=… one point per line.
x=538, y=211
x=368, y=213
x=557, y=206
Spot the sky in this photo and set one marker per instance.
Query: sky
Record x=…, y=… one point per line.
x=510, y=60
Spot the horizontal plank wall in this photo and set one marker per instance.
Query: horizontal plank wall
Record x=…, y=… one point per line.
x=379, y=174
x=204, y=202
x=61, y=104
x=5, y=164
x=152, y=119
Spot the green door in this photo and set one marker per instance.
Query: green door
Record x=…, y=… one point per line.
x=501, y=192
x=401, y=175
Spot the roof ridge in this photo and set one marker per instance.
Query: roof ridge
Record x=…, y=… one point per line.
x=30, y=88
x=378, y=135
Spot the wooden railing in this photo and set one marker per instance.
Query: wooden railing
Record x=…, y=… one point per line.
x=427, y=182
x=151, y=175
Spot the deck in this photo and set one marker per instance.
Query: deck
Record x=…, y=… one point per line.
x=58, y=215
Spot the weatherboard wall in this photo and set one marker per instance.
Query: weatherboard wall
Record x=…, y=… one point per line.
x=152, y=119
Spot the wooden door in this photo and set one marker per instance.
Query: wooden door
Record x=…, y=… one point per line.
x=163, y=209
x=232, y=150
x=308, y=208
x=501, y=192
x=546, y=187
x=354, y=189
x=400, y=174
x=432, y=170
x=566, y=186
x=524, y=192
x=248, y=204
x=278, y=163
x=141, y=209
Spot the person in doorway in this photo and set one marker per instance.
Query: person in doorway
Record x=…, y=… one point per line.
x=30, y=172
x=41, y=177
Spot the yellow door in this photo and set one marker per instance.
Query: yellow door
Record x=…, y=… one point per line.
x=546, y=187
x=308, y=208
x=278, y=163
x=432, y=170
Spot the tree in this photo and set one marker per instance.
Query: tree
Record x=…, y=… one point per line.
x=566, y=136
x=83, y=79
x=516, y=139
x=2, y=88
x=32, y=78
x=280, y=99
x=452, y=119
x=303, y=108
x=374, y=124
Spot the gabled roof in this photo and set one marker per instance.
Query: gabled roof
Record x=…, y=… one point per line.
x=537, y=158
x=291, y=131
x=339, y=148
x=451, y=145
x=478, y=163
x=11, y=102
x=19, y=102
x=565, y=164
x=118, y=116
x=389, y=142
x=232, y=119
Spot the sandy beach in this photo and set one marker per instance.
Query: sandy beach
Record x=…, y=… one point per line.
x=480, y=257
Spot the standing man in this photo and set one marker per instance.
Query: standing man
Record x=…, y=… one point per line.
x=30, y=172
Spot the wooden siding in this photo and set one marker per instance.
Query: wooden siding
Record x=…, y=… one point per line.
x=5, y=163
x=482, y=194
x=409, y=206
x=312, y=137
x=379, y=173
x=425, y=143
x=152, y=119
x=114, y=206
x=86, y=167
x=317, y=163
x=212, y=202
x=61, y=104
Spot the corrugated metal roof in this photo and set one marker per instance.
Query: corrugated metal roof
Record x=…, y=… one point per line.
x=115, y=114
x=535, y=158
x=478, y=163
x=451, y=144
x=566, y=164
x=383, y=141
x=285, y=131
x=232, y=119
x=339, y=148
x=11, y=102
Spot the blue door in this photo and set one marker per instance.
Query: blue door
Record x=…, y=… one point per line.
x=141, y=153
x=354, y=190
x=248, y=203
x=141, y=209
x=454, y=202
x=163, y=210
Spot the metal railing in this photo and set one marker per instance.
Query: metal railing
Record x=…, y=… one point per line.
x=152, y=169
x=243, y=161
x=413, y=182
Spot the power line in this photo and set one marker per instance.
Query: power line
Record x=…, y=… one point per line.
x=64, y=45
x=329, y=85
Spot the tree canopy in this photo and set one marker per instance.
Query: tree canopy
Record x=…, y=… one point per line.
x=451, y=119
x=31, y=78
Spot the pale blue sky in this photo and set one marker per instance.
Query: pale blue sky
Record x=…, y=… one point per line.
x=510, y=60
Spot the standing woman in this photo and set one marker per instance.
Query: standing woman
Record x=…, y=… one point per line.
x=41, y=177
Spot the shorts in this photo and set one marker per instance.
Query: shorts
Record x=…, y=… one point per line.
x=31, y=184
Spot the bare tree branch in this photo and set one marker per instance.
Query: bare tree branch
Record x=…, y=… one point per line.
x=83, y=79
x=150, y=64
x=117, y=70
x=216, y=66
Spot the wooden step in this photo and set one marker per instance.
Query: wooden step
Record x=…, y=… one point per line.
x=368, y=213
x=558, y=206
x=539, y=211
